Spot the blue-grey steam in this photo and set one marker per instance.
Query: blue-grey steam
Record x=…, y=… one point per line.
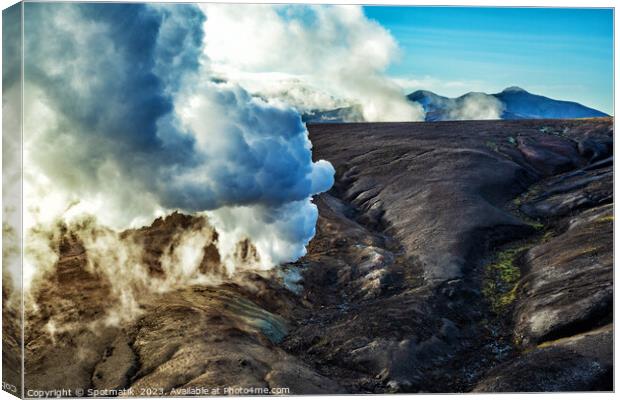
x=124, y=122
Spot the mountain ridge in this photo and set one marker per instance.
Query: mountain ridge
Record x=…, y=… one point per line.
x=516, y=103
x=512, y=103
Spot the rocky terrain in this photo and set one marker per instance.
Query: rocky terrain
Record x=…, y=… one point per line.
x=449, y=257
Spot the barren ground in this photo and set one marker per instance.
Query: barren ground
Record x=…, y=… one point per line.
x=449, y=257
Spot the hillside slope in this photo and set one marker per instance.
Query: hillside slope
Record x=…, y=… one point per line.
x=449, y=257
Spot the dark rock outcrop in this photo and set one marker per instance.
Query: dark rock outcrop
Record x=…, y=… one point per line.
x=579, y=363
x=444, y=193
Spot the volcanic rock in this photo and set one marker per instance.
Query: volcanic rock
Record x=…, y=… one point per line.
x=449, y=257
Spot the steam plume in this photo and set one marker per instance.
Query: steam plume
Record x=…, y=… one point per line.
x=124, y=122
x=326, y=56
x=475, y=106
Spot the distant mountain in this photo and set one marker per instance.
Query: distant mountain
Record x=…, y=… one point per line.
x=511, y=103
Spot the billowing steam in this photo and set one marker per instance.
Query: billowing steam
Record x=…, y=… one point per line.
x=475, y=106
x=133, y=264
x=125, y=123
x=326, y=57
x=133, y=111
x=11, y=155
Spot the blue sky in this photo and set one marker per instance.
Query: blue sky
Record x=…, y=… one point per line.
x=560, y=53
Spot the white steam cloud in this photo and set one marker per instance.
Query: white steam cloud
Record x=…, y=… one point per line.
x=475, y=106
x=326, y=57
x=125, y=122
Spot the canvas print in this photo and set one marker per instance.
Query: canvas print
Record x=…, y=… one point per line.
x=207, y=199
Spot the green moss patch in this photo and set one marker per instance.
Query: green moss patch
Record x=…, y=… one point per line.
x=527, y=196
x=501, y=278
x=491, y=145
x=536, y=225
